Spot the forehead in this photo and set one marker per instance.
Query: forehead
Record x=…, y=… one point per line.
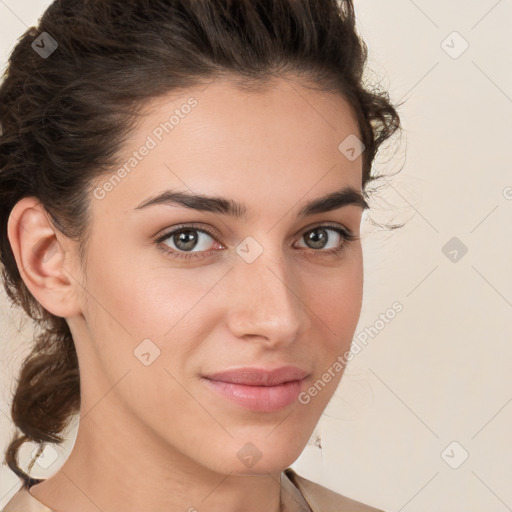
x=284, y=137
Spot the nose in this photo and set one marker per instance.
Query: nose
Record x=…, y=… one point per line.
x=265, y=302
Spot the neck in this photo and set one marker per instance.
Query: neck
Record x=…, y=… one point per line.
x=131, y=469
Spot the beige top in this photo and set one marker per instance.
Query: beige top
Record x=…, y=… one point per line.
x=298, y=495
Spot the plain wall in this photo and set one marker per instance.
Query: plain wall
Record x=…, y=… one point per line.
x=434, y=382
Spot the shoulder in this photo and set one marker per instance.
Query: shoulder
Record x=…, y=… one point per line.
x=23, y=501
x=317, y=497
x=322, y=499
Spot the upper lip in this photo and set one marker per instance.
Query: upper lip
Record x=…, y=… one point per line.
x=250, y=376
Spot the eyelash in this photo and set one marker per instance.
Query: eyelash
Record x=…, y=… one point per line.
x=346, y=236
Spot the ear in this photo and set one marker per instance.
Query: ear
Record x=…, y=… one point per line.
x=45, y=258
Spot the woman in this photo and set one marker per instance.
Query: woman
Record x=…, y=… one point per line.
x=182, y=185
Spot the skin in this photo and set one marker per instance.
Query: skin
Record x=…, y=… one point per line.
x=175, y=440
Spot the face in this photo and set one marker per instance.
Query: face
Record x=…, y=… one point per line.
x=182, y=294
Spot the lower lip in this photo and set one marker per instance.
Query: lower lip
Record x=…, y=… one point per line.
x=258, y=398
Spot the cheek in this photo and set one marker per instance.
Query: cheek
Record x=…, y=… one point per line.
x=145, y=300
x=145, y=315
x=334, y=297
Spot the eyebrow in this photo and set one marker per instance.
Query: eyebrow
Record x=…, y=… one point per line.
x=343, y=197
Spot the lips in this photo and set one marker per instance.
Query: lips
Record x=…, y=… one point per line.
x=258, y=389
x=260, y=377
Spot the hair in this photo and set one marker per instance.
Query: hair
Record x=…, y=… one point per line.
x=64, y=118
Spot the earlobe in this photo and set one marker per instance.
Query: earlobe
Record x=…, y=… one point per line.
x=43, y=258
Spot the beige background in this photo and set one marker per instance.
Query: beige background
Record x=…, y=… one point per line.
x=439, y=372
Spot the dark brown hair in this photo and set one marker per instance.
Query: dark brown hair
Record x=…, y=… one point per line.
x=64, y=118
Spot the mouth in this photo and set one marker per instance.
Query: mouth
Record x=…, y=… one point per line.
x=258, y=389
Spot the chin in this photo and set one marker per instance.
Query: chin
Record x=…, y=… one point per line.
x=273, y=465
x=259, y=455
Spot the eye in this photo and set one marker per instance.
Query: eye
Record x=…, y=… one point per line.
x=185, y=239
x=318, y=238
